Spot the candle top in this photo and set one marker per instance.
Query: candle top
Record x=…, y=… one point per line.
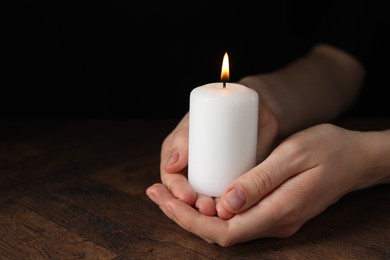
x=231, y=89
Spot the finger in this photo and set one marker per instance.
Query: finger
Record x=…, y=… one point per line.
x=180, y=188
x=251, y=224
x=254, y=223
x=221, y=211
x=284, y=162
x=174, y=152
x=155, y=192
x=174, y=159
x=185, y=215
x=206, y=205
x=209, y=228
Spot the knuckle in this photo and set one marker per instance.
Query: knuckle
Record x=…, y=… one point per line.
x=293, y=146
x=262, y=182
x=181, y=135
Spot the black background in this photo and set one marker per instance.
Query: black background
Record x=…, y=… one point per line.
x=126, y=59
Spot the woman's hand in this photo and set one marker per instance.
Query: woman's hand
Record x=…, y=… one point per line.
x=303, y=176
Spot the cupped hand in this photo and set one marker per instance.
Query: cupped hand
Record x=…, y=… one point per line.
x=174, y=160
x=303, y=176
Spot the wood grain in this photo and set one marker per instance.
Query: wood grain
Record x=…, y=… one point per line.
x=75, y=189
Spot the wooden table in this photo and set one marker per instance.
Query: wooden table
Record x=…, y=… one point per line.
x=73, y=189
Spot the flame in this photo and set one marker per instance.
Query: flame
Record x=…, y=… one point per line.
x=225, y=68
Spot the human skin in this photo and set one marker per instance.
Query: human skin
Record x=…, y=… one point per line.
x=299, y=175
x=296, y=182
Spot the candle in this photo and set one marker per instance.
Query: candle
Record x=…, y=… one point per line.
x=223, y=121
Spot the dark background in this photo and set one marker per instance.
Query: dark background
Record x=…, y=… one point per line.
x=125, y=59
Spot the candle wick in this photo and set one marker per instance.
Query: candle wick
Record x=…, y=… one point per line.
x=224, y=84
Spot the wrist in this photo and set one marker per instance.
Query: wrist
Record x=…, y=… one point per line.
x=376, y=158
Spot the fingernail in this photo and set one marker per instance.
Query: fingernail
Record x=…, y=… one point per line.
x=153, y=197
x=235, y=198
x=172, y=159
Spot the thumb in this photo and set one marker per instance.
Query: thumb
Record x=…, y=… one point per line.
x=251, y=187
x=174, y=152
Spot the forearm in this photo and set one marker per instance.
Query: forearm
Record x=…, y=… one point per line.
x=313, y=89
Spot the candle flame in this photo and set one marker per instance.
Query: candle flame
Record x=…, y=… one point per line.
x=225, y=68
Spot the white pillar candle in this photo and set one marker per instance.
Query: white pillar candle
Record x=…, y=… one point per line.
x=223, y=124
